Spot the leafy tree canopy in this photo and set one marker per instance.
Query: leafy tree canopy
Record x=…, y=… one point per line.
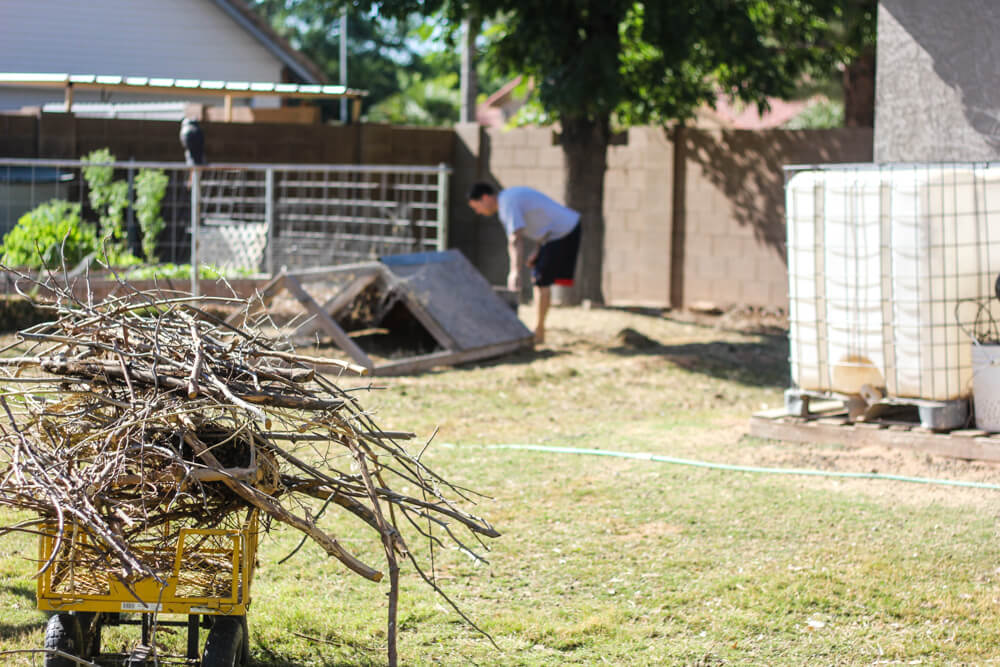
x=407, y=62
x=651, y=61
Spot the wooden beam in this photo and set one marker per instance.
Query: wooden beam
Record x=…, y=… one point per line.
x=327, y=323
x=324, y=272
x=427, y=361
x=339, y=301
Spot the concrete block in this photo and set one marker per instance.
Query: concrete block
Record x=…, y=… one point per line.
x=651, y=258
x=697, y=244
x=613, y=180
x=728, y=247
x=652, y=290
x=755, y=293
x=627, y=199
x=778, y=295
x=550, y=158
x=526, y=156
x=622, y=284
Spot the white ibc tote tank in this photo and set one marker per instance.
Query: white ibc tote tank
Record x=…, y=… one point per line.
x=878, y=259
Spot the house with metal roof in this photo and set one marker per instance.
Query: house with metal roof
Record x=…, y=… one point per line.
x=147, y=58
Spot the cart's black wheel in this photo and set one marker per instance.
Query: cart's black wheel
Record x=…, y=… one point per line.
x=245, y=651
x=224, y=646
x=63, y=634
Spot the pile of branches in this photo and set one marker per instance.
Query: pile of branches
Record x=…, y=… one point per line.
x=144, y=414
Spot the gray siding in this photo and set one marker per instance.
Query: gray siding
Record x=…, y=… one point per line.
x=173, y=38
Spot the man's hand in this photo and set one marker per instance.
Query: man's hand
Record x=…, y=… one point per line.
x=532, y=259
x=514, y=281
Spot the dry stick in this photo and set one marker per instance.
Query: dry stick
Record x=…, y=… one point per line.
x=141, y=347
x=350, y=504
x=389, y=547
x=315, y=361
x=91, y=371
x=199, y=359
x=266, y=504
x=474, y=524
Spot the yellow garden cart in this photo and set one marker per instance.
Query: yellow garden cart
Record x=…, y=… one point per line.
x=204, y=574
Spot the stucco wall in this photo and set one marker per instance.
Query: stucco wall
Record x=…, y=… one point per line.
x=936, y=92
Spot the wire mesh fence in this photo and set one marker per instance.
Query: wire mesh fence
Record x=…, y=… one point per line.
x=890, y=268
x=259, y=218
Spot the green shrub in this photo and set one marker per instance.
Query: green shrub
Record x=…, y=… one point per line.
x=46, y=231
x=150, y=187
x=182, y=271
x=108, y=197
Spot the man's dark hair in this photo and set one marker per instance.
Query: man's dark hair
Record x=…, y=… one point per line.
x=480, y=189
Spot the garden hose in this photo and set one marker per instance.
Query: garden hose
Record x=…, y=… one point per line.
x=740, y=468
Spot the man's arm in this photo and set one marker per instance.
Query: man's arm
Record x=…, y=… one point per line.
x=515, y=253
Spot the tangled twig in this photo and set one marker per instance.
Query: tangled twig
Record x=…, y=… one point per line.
x=139, y=416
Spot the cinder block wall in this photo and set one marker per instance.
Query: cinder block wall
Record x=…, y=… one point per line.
x=729, y=210
x=691, y=217
x=638, y=201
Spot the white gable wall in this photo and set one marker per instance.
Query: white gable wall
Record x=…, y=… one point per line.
x=163, y=38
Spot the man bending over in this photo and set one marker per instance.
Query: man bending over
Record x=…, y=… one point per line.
x=527, y=213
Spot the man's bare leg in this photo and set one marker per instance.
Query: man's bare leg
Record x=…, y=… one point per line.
x=543, y=296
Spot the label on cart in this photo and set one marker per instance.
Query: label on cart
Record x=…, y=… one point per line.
x=204, y=610
x=140, y=606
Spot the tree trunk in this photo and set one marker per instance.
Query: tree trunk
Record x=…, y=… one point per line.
x=585, y=148
x=859, y=91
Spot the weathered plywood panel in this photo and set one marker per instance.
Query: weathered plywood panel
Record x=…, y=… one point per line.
x=450, y=290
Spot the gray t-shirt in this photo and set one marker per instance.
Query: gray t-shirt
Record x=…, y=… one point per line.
x=541, y=218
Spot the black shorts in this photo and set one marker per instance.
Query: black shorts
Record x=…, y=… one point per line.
x=556, y=260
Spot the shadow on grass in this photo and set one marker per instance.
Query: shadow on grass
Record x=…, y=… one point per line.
x=21, y=590
x=9, y=632
x=524, y=356
x=520, y=357
x=758, y=364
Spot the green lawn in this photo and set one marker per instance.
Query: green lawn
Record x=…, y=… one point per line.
x=628, y=562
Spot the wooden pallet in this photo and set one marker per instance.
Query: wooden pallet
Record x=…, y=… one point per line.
x=828, y=424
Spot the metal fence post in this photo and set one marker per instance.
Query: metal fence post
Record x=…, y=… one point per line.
x=269, y=219
x=195, y=218
x=442, y=206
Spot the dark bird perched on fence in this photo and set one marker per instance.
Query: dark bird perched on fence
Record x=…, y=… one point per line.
x=193, y=140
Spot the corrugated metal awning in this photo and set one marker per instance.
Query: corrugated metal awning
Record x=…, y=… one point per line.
x=161, y=85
